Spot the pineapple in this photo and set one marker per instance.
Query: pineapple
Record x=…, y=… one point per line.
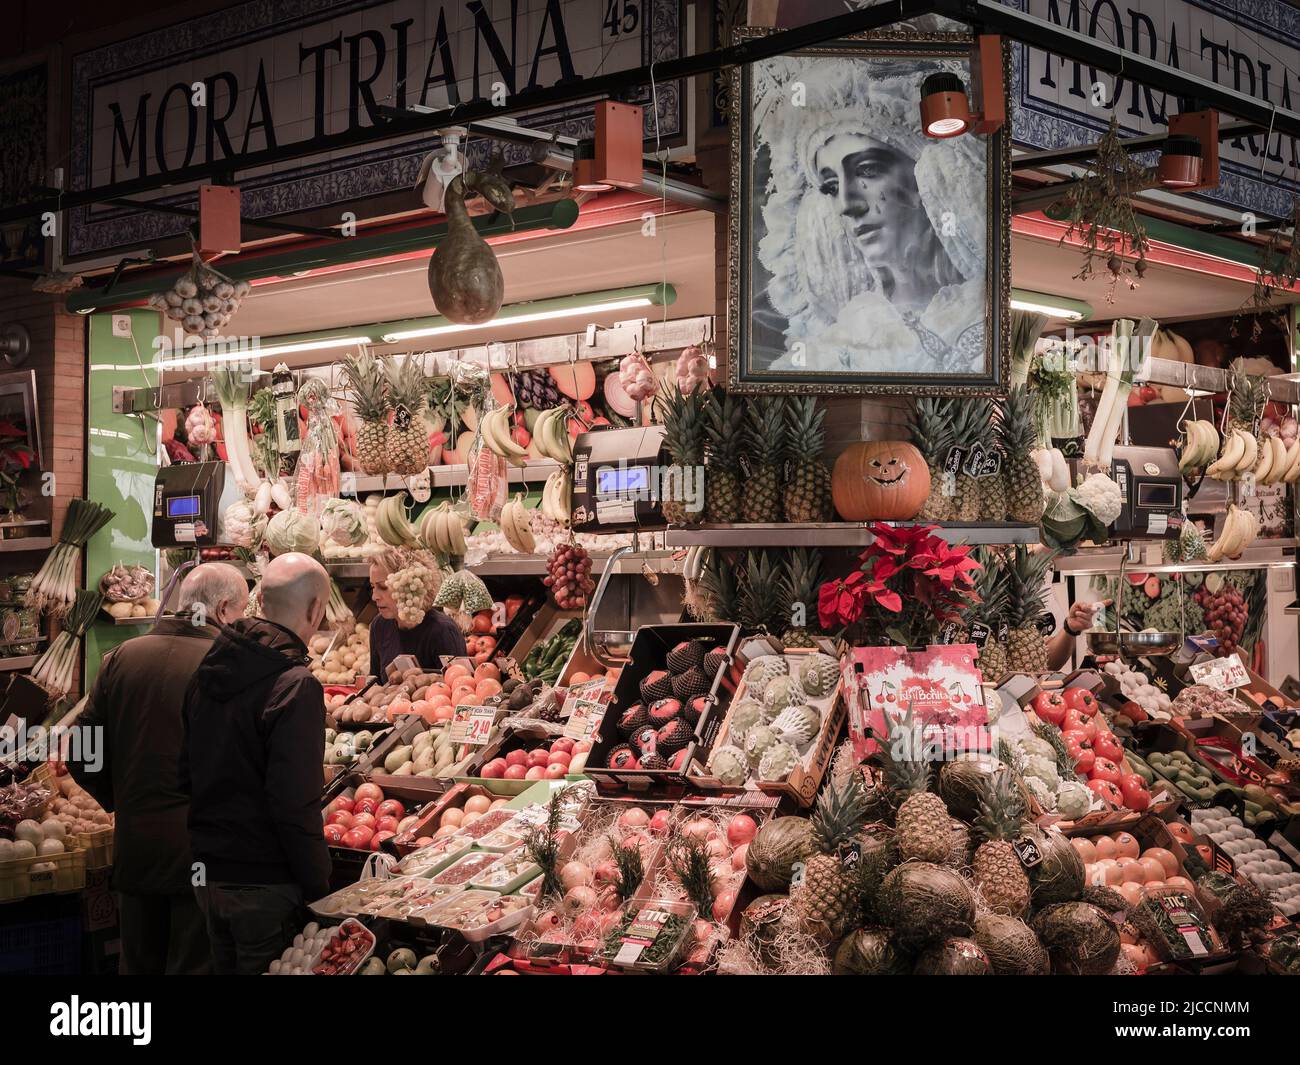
x=968, y=425
x=367, y=383
x=826, y=902
x=998, y=872
x=408, y=436
x=1026, y=574
x=764, y=445
x=761, y=603
x=990, y=610
x=922, y=825
x=808, y=492
x=931, y=428
x=993, y=489
x=683, y=419
x=1018, y=436
x=724, y=428
x=800, y=582
x=1247, y=399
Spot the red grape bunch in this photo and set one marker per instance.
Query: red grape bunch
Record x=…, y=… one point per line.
x=568, y=576
x=1225, y=615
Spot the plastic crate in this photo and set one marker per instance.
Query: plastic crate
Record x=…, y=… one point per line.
x=98, y=846
x=41, y=948
x=54, y=874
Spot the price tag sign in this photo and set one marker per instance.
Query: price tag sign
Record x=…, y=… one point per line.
x=1223, y=674
x=980, y=633
x=405, y=662
x=975, y=461
x=952, y=464
x=585, y=719
x=589, y=691
x=473, y=724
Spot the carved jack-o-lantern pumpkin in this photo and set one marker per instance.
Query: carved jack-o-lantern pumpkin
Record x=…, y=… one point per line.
x=884, y=480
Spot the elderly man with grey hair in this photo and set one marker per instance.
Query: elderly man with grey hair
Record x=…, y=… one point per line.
x=136, y=702
x=251, y=761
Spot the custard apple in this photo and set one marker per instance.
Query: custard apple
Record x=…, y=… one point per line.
x=782, y=692
x=777, y=761
x=762, y=671
x=730, y=766
x=744, y=716
x=757, y=740
x=819, y=675
x=1036, y=746
x=797, y=724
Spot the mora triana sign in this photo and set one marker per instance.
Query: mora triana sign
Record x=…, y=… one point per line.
x=272, y=73
x=1253, y=48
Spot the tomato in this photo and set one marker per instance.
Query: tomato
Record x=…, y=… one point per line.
x=1107, y=790
x=1082, y=700
x=1075, y=721
x=391, y=808
x=1050, y=707
x=1133, y=711
x=1080, y=750
x=1108, y=747
x=1105, y=769
x=1134, y=789
x=482, y=623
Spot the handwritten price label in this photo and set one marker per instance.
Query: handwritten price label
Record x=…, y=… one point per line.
x=473, y=724
x=585, y=719
x=1223, y=674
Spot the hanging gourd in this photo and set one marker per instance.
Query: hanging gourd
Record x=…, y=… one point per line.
x=879, y=480
x=464, y=275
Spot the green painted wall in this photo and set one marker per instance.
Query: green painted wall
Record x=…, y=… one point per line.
x=121, y=463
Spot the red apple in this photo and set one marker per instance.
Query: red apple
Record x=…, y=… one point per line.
x=341, y=817
x=342, y=802
x=366, y=806
x=555, y=771
x=582, y=746
x=369, y=791
x=563, y=757
x=335, y=833
x=1050, y=707
x=357, y=838
x=364, y=821
x=386, y=824
x=517, y=771
x=517, y=758
x=562, y=744
x=391, y=808
x=540, y=757
x=379, y=838
x=536, y=772
x=494, y=769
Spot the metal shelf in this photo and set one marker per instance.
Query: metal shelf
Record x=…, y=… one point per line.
x=27, y=543
x=524, y=566
x=1096, y=561
x=835, y=534
x=455, y=477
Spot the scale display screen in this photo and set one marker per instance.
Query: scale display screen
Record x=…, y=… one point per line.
x=182, y=506
x=622, y=480
x=1155, y=495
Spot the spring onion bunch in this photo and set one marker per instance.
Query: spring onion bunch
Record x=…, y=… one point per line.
x=56, y=669
x=232, y=393
x=55, y=587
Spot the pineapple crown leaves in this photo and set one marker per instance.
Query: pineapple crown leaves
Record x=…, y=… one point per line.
x=1026, y=585
x=724, y=424
x=1002, y=808
x=1017, y=423
x=905, y=772
x=840, y=813
x=969, y=421
x=990, y=588
x=718, y=587
x=804, y=427
x=407, y=384
x=765, y=429
x=683, y=418
x=368, y=384
x=761, y=602
x=689, y=862
x=931, y=428
x=800, y=579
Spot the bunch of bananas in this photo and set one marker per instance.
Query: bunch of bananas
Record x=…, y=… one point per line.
x=517, y=527
x=391, y=523
x=495, y=429
x=1202, y=446
x=551, y=435
x=1239, y=531
x=441, y=530
x=556, y=495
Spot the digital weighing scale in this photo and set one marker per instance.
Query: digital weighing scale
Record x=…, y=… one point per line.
x=1152, y=490
x=616, y=480
x=186, y=504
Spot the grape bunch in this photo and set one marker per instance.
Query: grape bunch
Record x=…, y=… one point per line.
x=1225, y=615
x=413, y=590
x=568, y=576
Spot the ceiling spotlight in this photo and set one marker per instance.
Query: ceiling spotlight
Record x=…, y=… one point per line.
x=945, y=111
x=584, y=169
x=1180, y=162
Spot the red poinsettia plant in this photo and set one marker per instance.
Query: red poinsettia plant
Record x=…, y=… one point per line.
x=909, y=584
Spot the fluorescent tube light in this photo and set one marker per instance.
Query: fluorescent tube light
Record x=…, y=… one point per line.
x=516, y=319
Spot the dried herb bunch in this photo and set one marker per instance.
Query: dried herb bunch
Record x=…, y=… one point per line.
x=689, y=862
x=1280, y=270
x=1102, y=214
x=630, y=866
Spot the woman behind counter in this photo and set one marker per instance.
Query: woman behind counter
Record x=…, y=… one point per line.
x=432, y=637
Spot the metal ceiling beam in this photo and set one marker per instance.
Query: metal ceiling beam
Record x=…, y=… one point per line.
x=1148, y=142
x=600, y=87
x=251, y=223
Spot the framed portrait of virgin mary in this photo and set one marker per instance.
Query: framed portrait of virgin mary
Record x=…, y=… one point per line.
x=864, y=256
